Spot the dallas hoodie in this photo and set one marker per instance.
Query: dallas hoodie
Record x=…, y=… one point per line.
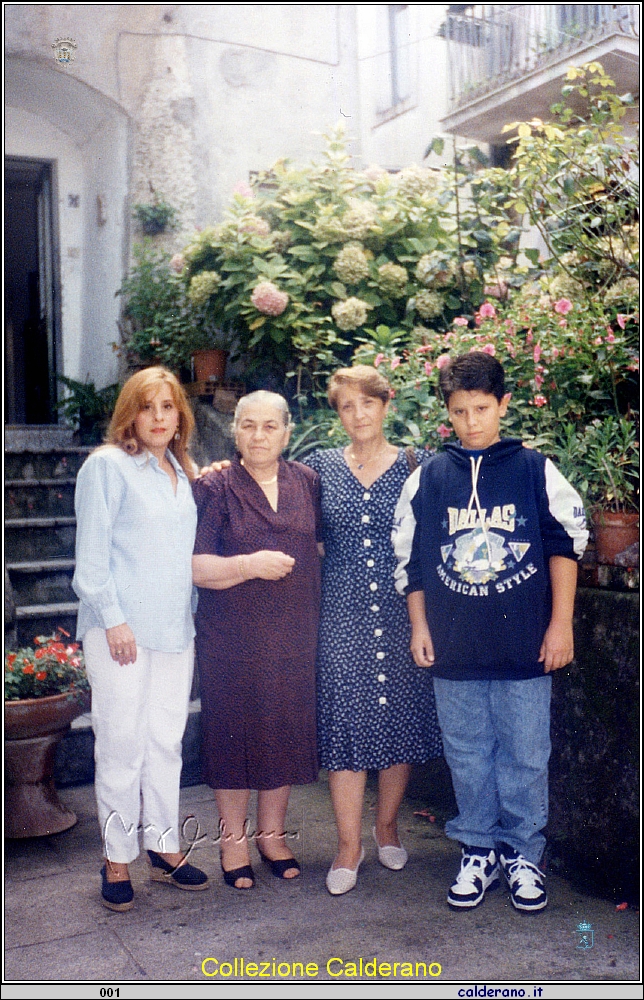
x=475, y=532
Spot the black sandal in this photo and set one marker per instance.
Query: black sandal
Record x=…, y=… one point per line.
x=280, y=866
x=233, y=876
x=183, y=876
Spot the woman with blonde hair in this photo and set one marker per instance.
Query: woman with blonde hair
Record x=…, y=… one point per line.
x=376, y=708
x=136, y=523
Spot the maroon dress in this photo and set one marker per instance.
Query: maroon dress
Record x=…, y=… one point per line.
x=256, y=641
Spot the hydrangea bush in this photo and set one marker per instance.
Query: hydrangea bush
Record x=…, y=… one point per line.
x=310, y=256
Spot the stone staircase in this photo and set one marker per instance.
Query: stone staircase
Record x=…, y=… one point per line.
x=41, y=464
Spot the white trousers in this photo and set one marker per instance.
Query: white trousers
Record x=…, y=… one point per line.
x=139, y=714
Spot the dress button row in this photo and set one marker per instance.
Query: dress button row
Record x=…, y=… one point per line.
x=377, y=631
x=370, y=563
x=365, y=519
x=382, y=701
x=367, y=543
x=366, y=496
x=373, y=586
x=375, y=607
x=380, y=656
x=382, y=678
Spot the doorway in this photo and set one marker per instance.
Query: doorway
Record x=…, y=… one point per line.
x=30, y=293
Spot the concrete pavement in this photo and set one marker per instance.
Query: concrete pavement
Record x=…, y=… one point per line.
x=56, y=928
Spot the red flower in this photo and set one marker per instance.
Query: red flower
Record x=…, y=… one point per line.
x=11, y=658
x=41, y=675
x=40, y=653
x=540, y=401
x=444, y=431
x=621, y=320
x=28, y=668
x=563, y=306
x=442, y=360
x=489, y=349
x=537, y=352
x=460, y=321
x=487, y=311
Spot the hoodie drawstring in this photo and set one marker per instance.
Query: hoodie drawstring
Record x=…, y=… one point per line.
x=476, y=466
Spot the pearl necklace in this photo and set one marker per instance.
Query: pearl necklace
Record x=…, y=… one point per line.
x=260, y=482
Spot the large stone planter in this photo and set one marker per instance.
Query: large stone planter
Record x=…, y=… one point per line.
x=33, y=729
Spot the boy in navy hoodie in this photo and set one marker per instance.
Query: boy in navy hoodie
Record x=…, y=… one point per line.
x=488, y=534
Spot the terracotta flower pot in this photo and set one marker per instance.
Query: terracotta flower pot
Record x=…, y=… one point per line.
x=210, y=365
x=33, y=729
x=615, y=535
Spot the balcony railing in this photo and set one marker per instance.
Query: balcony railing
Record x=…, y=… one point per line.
x=492, y=44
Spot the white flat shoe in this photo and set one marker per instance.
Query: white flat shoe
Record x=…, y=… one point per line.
x=391, y=857
x=341, y=880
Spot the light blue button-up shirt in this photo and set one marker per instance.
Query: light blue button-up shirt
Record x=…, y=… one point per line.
x=134, y=542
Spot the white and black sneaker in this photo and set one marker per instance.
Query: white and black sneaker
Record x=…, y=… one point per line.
x=479, y=872
x=526, y=881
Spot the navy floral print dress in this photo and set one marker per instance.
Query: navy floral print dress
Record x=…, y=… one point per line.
x=375, y=706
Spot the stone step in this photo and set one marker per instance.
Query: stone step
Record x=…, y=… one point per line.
x=42, y=582
x=54, y=463
x=39, y=497
x=38, y=538
x=44, y=619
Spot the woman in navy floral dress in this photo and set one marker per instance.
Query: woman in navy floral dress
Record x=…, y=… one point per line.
x=375, y=707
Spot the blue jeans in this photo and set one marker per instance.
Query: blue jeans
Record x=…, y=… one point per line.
x=496, y=736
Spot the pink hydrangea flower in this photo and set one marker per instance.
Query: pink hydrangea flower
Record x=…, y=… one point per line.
x=562, y=306
x=538, y=380
x=487, y=311
x=459, y=321
x=423, y=348
x=610, y=337
x=268, y=299
x=621, y=321
x=443, y=360
x=555, y=352
x=489, y=349
x=244, y=189
x=598, y=341
x=537, y=352
x=563, y=322
x=379, y=358
x=540, y=401
x=444, y=431
x=395, y=362
x=429, y=368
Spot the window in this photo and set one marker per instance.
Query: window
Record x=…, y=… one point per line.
x=399, y=45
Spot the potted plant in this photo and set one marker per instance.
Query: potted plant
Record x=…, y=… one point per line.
x=155, y=218
x=603, y=463
x=46, y=687
x=165, y=321
x=89, y=409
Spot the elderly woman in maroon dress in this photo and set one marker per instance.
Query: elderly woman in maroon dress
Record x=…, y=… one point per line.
x=256, y=563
